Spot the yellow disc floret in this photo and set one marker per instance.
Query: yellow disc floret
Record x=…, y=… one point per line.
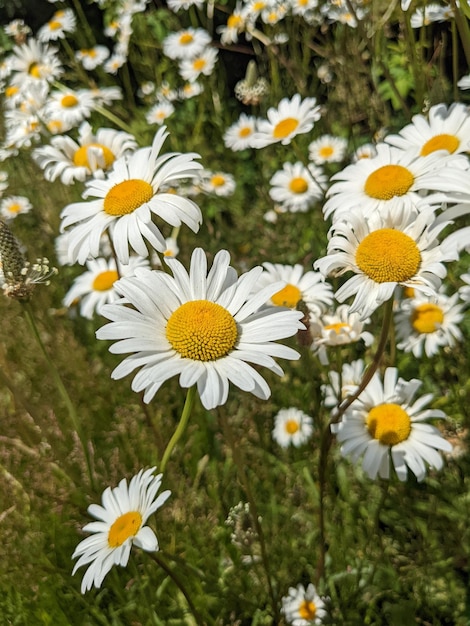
x=126, y=197
x=127, y=525
x=307, y=610
x=105, y=280
x=298, y=185
x=202, y=330
x=389, y=181
x=440, y=142
x=427, y=318
x=69, y=101
x=285, y=127
x=290, y=296
x=388, y=423
x=80, y=158
x=388, y=256
x=291, y=426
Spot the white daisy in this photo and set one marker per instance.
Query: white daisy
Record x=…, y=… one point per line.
x=395, y=178
x=34, y=62
x=299, y=286
x=391, y=250
x=385, y=424
x=431, y=12
x=177, y=5
x=190, y=90
x=303, y=607
x=126, y=201
x=235, y=25
x=159, y=112
x=327, y=149
x=95, y=287
x=14, y=205
x=366, y=151
x=61, y=23
x=292, y=427
x=121, y=522
x=186, y=44
x=296, y=187
x=71, y=106
x=341, y=387
x=443, y=129
x=91, y=58
x=428, y=324
x=291, y=117
x=204, y=327
x=464, y=82
x=91, y=155
x=238, y=136
x=115, y=62
x=218, y=183
x=203, y=63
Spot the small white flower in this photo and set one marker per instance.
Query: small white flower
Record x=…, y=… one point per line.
x=292, y=427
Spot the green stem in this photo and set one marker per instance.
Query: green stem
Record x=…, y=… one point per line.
x=188, y=405
x=84, y=24
x=463, y=28
x=61, y=388
x=114, y=118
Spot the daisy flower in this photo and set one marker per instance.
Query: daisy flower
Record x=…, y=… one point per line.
x=291, y=118
x=177, y=5
x=391, y=250
x=204, y=327
x=121, y=522
x=95, y=287
x=126, y=201
x=386, y=424
x=61, y=23
x=366, y=151
x=171, y=251
x=91, y=155
x=71, y=106
x=34, y=62
x=431, y=12
x=303, y=607
x=428, y=324
x=299, y=286
x=296, y=187
x=91, y=58
x=159, y=112
x=14, y=205
x=190, y=90
x=238, y=136
x=341, y=387
x=204, y=63
x=292, y=427
x=327, y=149
x=218, y=183
x=235, y=25
x=395, y=178
x=464, y=82
x=444, y=129
x=186, y=44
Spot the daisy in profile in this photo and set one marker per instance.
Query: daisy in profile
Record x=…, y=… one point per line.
x=299, y=286
x=186, y=44
x=327, y=149
x=394, y=179
x=218, y=183
x=203, y=63
x=95, y=287
x=13, y=206
x=91, y=155
x=204, y=326
x=341, y=387
x=126, y=201
x=292, y=427
x=190, y=90
x=61, y=23
x=159, y=112
x=428, y=324
x=291, y=117
x=235, y=25
x=91, y=58
x=70, y=107
x=444, y=128
x=303, y=607
x=386, y=424
x=239, y=135
x=121, y=523
x=366, y=151
x=390, y=250
x=297, y=187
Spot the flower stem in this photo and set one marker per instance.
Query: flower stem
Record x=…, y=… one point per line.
x=188, y=405
x=61, y=388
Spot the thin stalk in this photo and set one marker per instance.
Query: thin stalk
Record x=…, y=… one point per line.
x=241, y=464
x=61, y=388
x=84, y=24
x=463, y=28
x=114, y=118
x=185, y=415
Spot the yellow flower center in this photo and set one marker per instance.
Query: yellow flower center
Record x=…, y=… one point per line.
x=427, y=318
x=199, y=64
x=244, y=132
x=126, y=525
x=389, y=181
x=186, y=38
x=89, y=52
x=388, y=423
x=336, y=326
x=54, y=25
x=409, y=292
x=11, y=91
x=54, y=126
x=388, y=256
x=69, y=101
x=80, y=158
x=290, y=296
x=202, y=331
x=298, y=185
x=14, y=208
x=440, y=142
x=259, y=6
x=307, y=610
x=234, y=21
x=105, y=280
x=126, y=197
x=291, y=426
x=285, y=127
x=217, y=180
x=35, y=70
x=326, y=151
